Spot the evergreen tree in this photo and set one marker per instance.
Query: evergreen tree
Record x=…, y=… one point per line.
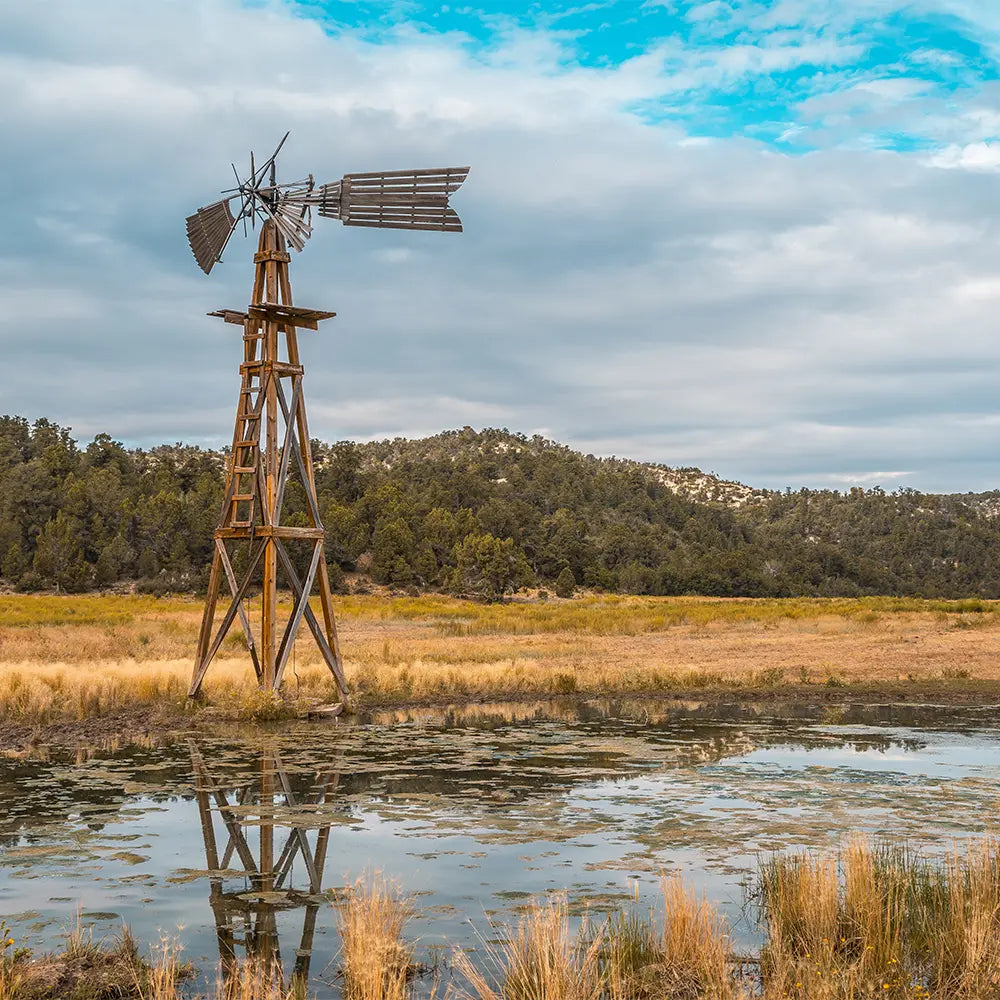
x=489, y=567
x=59, y=555
x=565, y=583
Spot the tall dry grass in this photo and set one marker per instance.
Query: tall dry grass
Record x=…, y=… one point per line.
x=883, y=921
x=695, y=946
x=79, y=656
x=684, y=956
x=540, y=958
x=255, y=979
x=375, y=963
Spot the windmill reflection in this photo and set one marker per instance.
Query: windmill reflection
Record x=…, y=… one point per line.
x=263, y=812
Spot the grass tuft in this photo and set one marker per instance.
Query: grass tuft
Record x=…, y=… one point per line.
x=376, y=964
x=538, y=959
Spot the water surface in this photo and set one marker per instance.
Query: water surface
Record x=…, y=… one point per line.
x=237, y=841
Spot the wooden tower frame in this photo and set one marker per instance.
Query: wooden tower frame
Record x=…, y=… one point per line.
x=271, y=435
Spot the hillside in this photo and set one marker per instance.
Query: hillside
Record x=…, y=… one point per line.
x=463, y=510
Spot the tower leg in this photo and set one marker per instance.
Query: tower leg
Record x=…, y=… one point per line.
x=207, y=619
x=269, y=620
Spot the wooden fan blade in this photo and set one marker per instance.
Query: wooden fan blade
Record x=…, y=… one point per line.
x=208, y=231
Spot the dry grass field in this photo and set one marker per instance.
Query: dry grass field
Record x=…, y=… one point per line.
x=72, y=657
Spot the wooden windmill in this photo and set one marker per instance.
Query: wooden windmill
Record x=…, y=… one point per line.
x=271, y=437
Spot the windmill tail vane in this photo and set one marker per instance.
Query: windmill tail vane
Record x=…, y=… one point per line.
x=389, y=199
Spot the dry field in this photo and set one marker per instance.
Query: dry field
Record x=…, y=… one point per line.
x=72, y=657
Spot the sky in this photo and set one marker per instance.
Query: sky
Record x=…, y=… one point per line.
x=760, y=237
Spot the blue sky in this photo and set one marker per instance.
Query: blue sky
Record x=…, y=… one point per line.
x=756, y=237
x=785, y=73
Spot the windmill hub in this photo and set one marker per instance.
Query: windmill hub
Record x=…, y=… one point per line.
x=254, y=544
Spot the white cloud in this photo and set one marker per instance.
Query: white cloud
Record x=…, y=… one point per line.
x=974, y=156
x=622, y=286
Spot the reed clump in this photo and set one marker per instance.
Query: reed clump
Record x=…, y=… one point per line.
x=91, y=970
x=882, y=921
x=375, y=962
x=540, y=958
x=684, y=955
x=253, y=978
x=86, y=969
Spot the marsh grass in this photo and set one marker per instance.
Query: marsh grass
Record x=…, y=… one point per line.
x=253, y=979
x=540, y=958
x=877, y=920
x=375, y=962
x=881, y=920
x=93, y=970
x=100, y=970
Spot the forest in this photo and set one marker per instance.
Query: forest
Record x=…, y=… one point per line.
x=482, y=513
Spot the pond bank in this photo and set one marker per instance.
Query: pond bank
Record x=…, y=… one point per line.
x=68, y=661
x=173, y=718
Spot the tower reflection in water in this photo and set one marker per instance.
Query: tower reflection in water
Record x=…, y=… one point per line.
x=264, y=812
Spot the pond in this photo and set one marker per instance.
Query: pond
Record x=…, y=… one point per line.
x=238, y=840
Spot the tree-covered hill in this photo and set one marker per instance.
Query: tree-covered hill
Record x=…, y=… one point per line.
x=484, y=512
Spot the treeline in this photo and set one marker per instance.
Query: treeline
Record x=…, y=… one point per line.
x=485, y=513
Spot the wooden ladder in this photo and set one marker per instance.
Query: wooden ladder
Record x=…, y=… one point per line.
x=246, y=453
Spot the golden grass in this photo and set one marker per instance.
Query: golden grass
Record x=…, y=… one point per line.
x=252, y=979
x=877, y=921
x=79, y=656
x=89, y=970
x=695, y=945
x=376, y=965
x=538, y=959
x=883, y=922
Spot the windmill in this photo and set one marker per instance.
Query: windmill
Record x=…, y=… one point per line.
x=271, y=436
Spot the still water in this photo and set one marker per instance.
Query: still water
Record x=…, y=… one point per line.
x=236, y=840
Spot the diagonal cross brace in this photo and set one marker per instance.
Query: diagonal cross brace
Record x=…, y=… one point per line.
x=290, y=414
x=301, y=603
x=244, y=618
x=332, y=659
x=227, y=619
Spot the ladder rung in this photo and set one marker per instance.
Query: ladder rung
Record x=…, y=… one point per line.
x=246, y=444
x=240, y=524
x=244, y=470
x=240, y=497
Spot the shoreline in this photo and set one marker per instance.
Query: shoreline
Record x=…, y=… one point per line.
x=167, y=721
x=107, y=667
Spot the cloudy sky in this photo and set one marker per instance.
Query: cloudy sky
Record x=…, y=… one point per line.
x=757, y=236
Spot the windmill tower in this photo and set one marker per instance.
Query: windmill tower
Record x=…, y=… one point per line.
x=254, y=544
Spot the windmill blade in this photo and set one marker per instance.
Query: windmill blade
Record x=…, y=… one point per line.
x=292, y=225
x=393, y=199
x=208, y=233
